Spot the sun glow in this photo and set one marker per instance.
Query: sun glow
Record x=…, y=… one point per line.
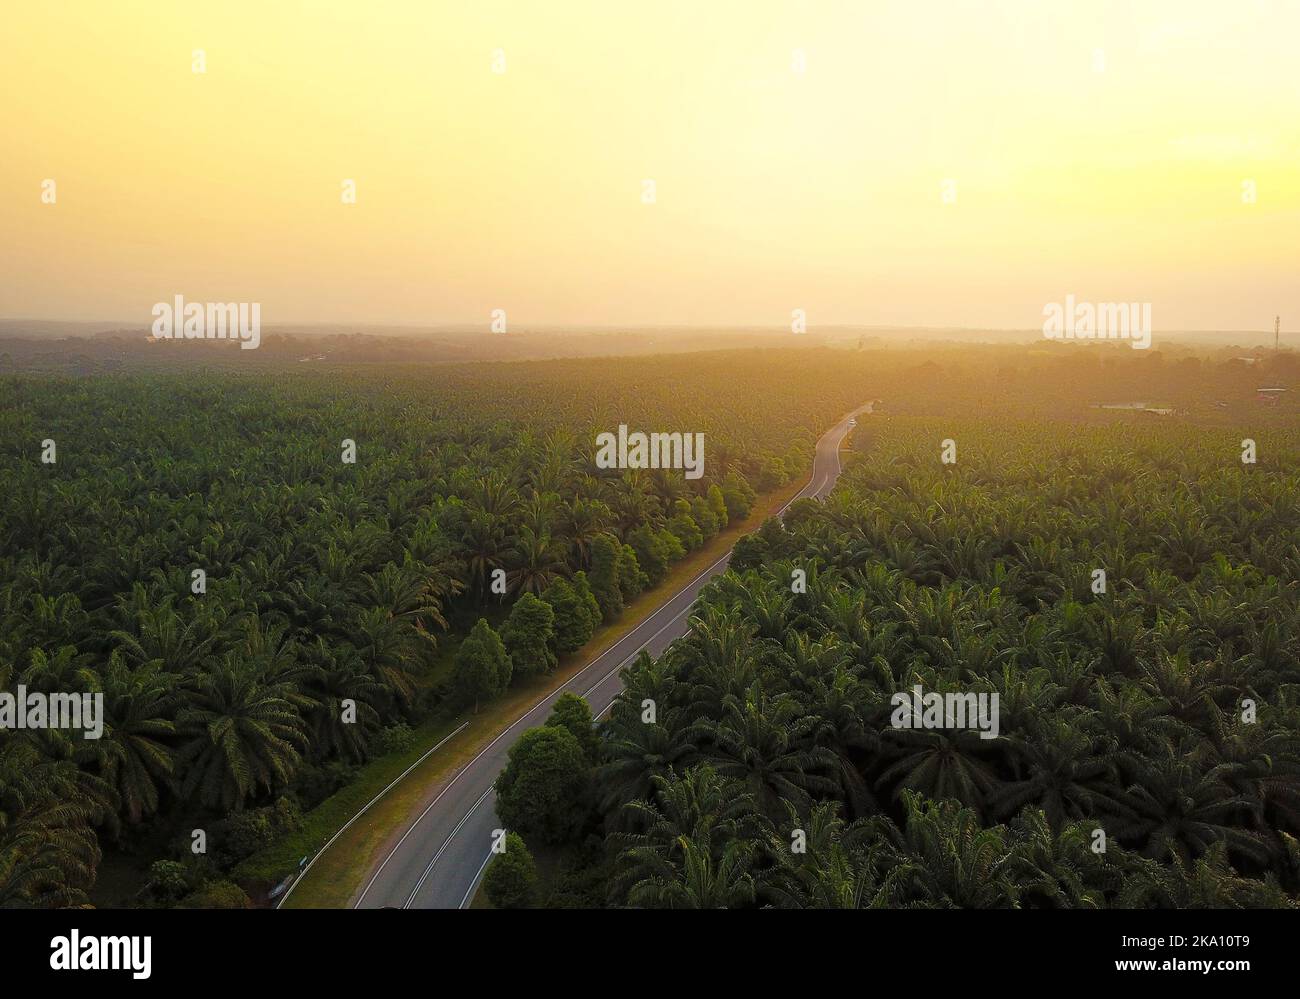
x=880, y=163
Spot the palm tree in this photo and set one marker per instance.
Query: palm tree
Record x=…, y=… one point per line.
x=940, y=763
x=944, y=859
x=834, y=871
x=485, y=547
x=690, y=853
x=718, y=656
x=388, y=649
x=333, y=735
x=495, y=496
x=1209, y=882
x=537, y=563
x=698, y=881
x=64, y=672
x=134, y=755
x=159, y=634
x=766, y=744
x=410, y=594
x=633, y=503
x=542, y=512
x=587, y=520
x=48, y=850
x=244, y=736
x=1065, y=768
x=635, y=751
x=1178, y=807
x=1060, y=870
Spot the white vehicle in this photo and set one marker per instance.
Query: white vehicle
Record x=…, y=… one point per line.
x=853, y=423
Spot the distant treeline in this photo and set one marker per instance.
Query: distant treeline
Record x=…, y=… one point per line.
x=261, y=615
x=1148, y=752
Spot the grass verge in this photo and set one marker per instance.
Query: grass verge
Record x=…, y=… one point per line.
x=337, y=875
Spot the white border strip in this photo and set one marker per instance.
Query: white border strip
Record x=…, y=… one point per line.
x=303, y=873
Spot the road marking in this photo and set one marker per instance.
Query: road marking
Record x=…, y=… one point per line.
x=675, y=618
x=680, y=614
x=474, y=884
x=808, y=489
x=445, y=843
x=555, y=693
x=364, y=809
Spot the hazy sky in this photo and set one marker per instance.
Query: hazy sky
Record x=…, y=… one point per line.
x=1096, y=148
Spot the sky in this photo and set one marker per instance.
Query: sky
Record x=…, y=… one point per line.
x=912, y=163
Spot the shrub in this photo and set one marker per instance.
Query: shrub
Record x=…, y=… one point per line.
x=482, y=665
x=605, y=553
x=242, y=835
x=217, y=895
x=572, y=622
x=168, y=880
x=511, y=878
x=573, y=713
x=542, y=791
x=631, y=580
x=395, y=738
x=529, y=636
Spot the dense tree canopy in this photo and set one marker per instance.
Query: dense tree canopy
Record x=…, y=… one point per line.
x=1149, y=744
x=261, y=615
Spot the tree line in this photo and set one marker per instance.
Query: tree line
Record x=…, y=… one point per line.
x=1149, y=745
x=315, y=635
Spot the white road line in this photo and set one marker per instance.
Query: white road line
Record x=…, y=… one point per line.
x=445, y=843
x=559, y=690
x=677, y=617
x=408, y=832
x=364, y=809
x=474, y=884
x=507, y=731
x=683, y=612
x=488, y=859
x=644, y=645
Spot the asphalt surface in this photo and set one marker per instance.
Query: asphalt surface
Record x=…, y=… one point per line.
x=439, y=859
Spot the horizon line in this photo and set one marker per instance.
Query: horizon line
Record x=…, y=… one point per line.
x=479, y=326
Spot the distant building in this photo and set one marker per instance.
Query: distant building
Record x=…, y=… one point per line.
x=1135, y=407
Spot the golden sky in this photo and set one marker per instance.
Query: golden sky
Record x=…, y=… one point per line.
x=1095, y=148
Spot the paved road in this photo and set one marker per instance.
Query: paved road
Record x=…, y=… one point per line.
x=440, y=858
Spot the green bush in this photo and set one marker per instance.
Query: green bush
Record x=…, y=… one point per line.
x=573, y=627
x=482, y=665
x=543, y=790
x=217, y=895
x=511, y=878
x=529, y=636
x=605, y=552
x=168, y=880
x=395, y=738
x=573, y=714
x=242, y=835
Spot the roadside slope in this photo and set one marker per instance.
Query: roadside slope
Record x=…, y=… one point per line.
x=438, y=860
